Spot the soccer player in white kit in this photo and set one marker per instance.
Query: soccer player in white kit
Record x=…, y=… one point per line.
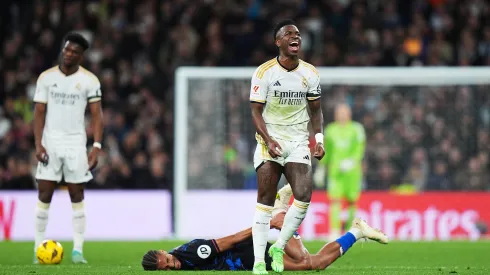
x=282, y=89
x=61, y=97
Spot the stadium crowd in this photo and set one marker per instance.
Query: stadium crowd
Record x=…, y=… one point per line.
x=432, y=139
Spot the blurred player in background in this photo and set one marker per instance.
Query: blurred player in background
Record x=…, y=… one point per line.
x=61, y=97
x=236, y=252
x=345, y=144
x=281, y=91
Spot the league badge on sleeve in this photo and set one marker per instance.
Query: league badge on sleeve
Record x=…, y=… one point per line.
x=256, y=90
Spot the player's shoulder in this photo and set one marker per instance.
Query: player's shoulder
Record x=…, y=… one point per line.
x=264, y=68
x=89, y=76
x=309, y=68
x=49, y=73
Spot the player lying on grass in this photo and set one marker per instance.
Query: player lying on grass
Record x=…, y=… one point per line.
x=235, y=252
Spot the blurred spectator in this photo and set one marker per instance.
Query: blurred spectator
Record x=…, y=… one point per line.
x=432, y=138
x=440, y=180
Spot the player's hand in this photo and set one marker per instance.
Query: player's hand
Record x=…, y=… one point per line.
x=275, y=149
x=277, y=221
x=41, y=154
x=319, y=151
x=92, y=158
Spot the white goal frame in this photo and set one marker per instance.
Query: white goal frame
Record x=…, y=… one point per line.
x=369, y=76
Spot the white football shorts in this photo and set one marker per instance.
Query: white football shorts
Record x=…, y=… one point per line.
x=292, y=151
x=70, y=162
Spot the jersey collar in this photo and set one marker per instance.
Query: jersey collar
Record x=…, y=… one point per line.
x=286, y=69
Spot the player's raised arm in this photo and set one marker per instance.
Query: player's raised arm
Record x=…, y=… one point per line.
x=41, y=100
x=94, y=99
x=258, y=95
x=313, y=96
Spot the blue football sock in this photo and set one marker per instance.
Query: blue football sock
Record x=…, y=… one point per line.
x=346, y=242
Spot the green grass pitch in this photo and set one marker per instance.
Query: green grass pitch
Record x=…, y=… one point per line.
x=364, y=258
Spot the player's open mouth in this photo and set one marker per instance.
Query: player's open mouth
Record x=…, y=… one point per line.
x=294, y=46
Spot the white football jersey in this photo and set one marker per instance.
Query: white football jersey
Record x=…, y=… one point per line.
x=285, y=94
x=66, y=98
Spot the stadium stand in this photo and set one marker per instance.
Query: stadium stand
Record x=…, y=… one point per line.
x=137, y=45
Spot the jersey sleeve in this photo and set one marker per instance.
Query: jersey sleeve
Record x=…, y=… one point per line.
x=197, y=253
x=258, y=90
x=314, y=89
x=41, y=95
x=94, y=92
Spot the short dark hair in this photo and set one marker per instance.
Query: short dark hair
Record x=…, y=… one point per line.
x=282, y=24
x=150, y=260
x=76, y=38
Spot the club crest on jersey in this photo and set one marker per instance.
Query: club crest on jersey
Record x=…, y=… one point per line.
x=304, y=82
x=256, y=90
x=78, y=87
x=204, y=251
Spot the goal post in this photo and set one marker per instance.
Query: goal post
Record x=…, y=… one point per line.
x=203, y=88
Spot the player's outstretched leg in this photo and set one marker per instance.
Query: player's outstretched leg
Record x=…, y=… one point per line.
x=360, y=230
x=45, y=194
x=77, y=196
x=368, y=232
x=336, y=249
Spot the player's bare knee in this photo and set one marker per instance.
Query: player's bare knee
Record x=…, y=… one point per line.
x=303, y=193
x=76, y=195
x=45, y=190
x=266, y=198
x=306, y=262
x=45, y=196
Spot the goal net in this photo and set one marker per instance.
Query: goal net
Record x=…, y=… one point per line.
x=410, y=115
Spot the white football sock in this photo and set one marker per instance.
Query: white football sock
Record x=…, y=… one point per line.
x=292, y=221
x=356, y=232
x=41, y=221
x=78, y=226
x=260, y=230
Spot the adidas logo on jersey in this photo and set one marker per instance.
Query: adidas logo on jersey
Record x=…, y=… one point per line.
x=277, y=83
x=307, y=157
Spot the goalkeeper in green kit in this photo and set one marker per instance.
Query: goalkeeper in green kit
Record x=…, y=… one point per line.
x=344, y=145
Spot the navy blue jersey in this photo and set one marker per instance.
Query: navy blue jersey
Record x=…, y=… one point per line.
x=202, y=254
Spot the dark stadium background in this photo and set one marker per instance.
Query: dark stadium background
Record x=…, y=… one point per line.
x=138, y=45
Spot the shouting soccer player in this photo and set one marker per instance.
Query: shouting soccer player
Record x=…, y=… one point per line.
x=236, y=252
x=61, y=98
x=345, y=144
x=281, y=91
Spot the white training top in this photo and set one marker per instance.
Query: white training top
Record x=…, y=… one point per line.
x=66, y=98
x=285, y=94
